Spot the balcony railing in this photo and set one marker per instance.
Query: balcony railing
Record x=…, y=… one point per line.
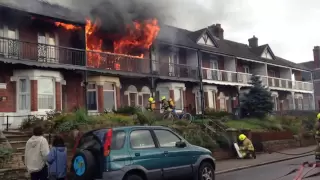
x=289, y=84
x=245, y=78
x=20, y=50
x=117, y=62
x=226, y=76
x=174, y=70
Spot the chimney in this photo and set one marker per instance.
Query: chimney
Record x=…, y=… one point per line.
x=217, y=30
x=316, y=56
x=253, y=42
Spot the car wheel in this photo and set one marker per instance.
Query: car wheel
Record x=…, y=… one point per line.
x=206, y=172
x=133, y=177
x=83, y=165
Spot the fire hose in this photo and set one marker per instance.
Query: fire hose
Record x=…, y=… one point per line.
x=290, y=154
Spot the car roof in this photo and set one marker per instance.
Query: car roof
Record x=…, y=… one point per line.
x=128, y=128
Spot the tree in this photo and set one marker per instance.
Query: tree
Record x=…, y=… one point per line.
x=258, y=102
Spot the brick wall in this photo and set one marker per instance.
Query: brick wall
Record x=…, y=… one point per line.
x=10, y=104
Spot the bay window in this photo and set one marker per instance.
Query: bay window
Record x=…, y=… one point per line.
x=23, y=87
x=144, y=96
x=198, y=102
x=132, y=96
x=46, y=94
x=92, y=97
x=223, y=106
x=109, y=96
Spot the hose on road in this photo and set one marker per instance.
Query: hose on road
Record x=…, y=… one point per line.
x=291, y=154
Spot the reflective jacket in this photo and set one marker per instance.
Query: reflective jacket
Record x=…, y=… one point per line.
x=247, y=145
x=151, y=106
x=165, y=104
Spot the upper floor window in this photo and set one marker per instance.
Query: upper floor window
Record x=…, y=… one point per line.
x=246, y=69
x=8, y=44
x=47, y=50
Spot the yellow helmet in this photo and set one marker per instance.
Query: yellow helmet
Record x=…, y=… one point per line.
x=242, y=137
x=163, y=98
x=318, y=116
x=150, y=99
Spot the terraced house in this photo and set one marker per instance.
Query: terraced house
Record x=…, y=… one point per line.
x=49, y=59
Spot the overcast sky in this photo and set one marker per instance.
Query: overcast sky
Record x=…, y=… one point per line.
x=290, y=27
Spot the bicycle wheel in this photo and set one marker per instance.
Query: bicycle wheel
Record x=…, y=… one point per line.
x=167, y=116
x=188, y=117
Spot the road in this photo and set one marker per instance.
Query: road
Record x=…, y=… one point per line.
x=271, y=171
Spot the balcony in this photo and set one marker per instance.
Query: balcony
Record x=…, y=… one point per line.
x=174, y=70
x=274, y=82
x=117, y=62
x=225, y=76
x=43, y=53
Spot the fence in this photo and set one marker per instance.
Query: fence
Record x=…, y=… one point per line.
x=7, y=121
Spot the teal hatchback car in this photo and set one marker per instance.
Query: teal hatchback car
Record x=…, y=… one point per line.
x=140, y=153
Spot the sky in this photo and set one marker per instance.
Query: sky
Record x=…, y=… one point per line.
x=290, y=27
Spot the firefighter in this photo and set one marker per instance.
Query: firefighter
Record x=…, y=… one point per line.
x=247, y=148
x=151, y=104
x=317, y=137
x=171, y=105
x=164, y=104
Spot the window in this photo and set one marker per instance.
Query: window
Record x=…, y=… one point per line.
x=118, y=139
x=275, y=103
x=23, y=94
x=141, y=139
x=47, y=47
x=10, y=46
x=246, y=69
x=109, y=98
x=173, y=64
x=46, y=93
x=166, y=138
x=178, y=98
x=198, y=102
x=213, y=72
x=144, y=96
x=92, y=97
x=223, y=104
x=214, y=100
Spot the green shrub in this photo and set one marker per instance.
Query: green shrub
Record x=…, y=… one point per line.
x=127, y=110
x=5, y=155
x=212, y=113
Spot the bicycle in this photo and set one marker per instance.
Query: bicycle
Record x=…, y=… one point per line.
x=173, y=115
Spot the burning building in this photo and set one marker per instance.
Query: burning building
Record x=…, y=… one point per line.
x=53, y=58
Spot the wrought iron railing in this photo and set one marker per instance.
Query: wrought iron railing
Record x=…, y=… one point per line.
x=174, y=70
x=20, y=50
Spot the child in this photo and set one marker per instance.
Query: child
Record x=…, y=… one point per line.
x=57, y=159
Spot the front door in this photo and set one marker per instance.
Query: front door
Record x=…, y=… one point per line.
x=177, y=161
x=143, y=152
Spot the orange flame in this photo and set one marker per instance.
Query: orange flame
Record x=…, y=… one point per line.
x=139, y=36
x=67, y=26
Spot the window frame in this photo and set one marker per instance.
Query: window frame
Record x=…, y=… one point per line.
x=114, y=94
x=197, y=95
x=181, y=98
x=53, y=93
x=47, y=47
x=157, y=140
x=4, y=38
x=93, y=90
x=154, y=139
x=28, y=94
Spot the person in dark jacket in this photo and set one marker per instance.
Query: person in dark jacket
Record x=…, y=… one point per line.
x=57, y=159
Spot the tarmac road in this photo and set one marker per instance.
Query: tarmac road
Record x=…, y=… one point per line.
x=272, y=171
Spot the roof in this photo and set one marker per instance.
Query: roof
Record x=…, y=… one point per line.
x=43, y=8
x=308, y=64
x=183, y=37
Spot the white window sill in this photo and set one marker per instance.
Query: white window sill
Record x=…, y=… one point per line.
x=3, y=86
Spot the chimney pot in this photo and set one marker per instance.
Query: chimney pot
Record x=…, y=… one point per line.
x=217, y=30
x=316, y=56
x=253, y=42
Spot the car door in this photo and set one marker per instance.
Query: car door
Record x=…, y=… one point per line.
x=176, y=161
x=145, y=153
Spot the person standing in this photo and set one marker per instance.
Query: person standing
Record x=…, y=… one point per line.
x=35, y=156
x=57, y=160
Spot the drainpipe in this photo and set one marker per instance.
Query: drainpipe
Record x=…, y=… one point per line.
x=200, y=81
x=313, y=94
x=151, y=71
x=85, y=78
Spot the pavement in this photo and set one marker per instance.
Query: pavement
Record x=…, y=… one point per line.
x=226, y=166
x=275, y=171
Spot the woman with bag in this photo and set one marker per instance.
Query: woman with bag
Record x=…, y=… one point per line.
x=57, y=160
